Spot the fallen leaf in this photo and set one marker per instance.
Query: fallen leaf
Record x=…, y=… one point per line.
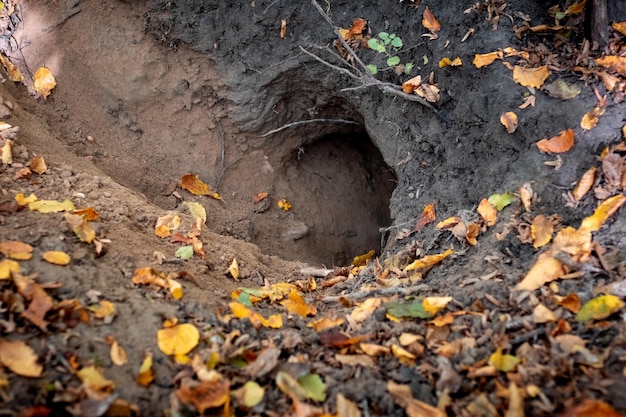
x=346, y=408
x=613, y=62
x=95, y=384
x=44, y=81
x=445, y=62
x=198, y=212
x=175, y=288
x=166, y=223
x=428, y=261
x=432, y=305
x=482, y=60
x=591, y=408
x=314, y=387
x=240, y=311
x=355, y=31
x=541, y=230
x=38, y=165
x=404, y=356
x=563, y=142
x=233, y=269
x=562, y=90
x=259, y=197
x=103, y=309
x=179, y=339
x=7, y=152
x=541, y=314
x=403, y=396
x=430, y=22
x=89, y=213
x=57, y=257
x=7, y=266
x=613, y=169
x=373, y=349
x=412, y=84
x=571, y=302
x=284, y=204
x=365, y=309
x=117, y=353
x=16, y=250
x=502, y=362
x=407, y=310
x=500, y=201
x=488, y=212
x=545, y=269
x=295, y=304
x=145, y=376
x=527, y=195
x=600, y=308
x=591, y=118
x=362, y=259
x=324, y=323
x=194, y=185
x=184, y=252
x=13, y=72
x=530, y=77
x=509, y=121
x=51, y=206
x=20, y=358
x=283, y=28
x=516, y=401
x=585, y=184
x=602, y=213
x=204, y=395
x=529, y=101
x=24, y=201
x=81, y=227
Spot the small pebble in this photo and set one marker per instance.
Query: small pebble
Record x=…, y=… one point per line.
x=107, y=194
x=411, y=195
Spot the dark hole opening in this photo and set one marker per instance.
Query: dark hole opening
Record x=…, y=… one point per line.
x=340, y=188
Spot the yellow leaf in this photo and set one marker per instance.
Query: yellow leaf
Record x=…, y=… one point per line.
x=324, y=323
x=51, y=206
x=38, y=165
x=509, y=121
x=432, y=305
x=81, y=227
x=6, y=267
x=430, y=22
x=448, y=223
x=428, y=261
x=620, y=27
x=563, y=142
x=585, y=184
x=194, y=185
x=252, y=394
x=176, y=289
x=198, y=212
x=591, y=118
x=575, y=8
x=117, y=353
x=365, y=309
x=602, y=213
x=179, y=339
x=577, y=243
x=13, y=72
x=146, y=375
x=57, y=257
x=531, y=77
x=482, y=60
x=295, y=304
x=24, y=201
x=16, y=250
x=95, y=384
x=600, y=308
x=448, y=62
x=103, y=309
x=504, y=363
x=7, y=152
x=372, y=349
x=19, y=358
x=404, y=356
x=241, y=312
x=166, y=223
x=233, y=269
x=541, y=231
x=488, y=212
x=546, y=269
x=44, y=81
x=613, y=62
x=362, y=259
x=284, y=204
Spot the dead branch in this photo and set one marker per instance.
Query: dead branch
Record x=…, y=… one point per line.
x=303, y=122
x=378, y=291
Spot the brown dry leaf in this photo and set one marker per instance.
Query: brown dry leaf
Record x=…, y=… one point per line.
x=324, y=323
x=428, y=261
x=576, y=243
x=20, y=358
x=531, y=77
x=295, y=304
x=14, y=249
x=179, y=339
x=412, y=84
x=233, y=269
x=355, y=31
x=204, y=395
x=516, y=401
x=430, y=22
x=482, y=60
x=545, y=269
x=613, y=169
x=430, y=92
x=620, y=27
x=541, y=314
x=22, y=173
x=259, y=197
x=283, y=28
x=447, y=62
x=44, y=81
x=404, y=356
x=613, y=62
x=146, y=374
x=610, y=81
x=488, y=212
x=81, y=227
x=509, y=120
x=403, y=396
x=428, y=216
x=373, y=349
x=602, y=213
x=590, y=119
x=194, y=185
x=38, y=165
x=585, y=184
x=541, y=230
x=13, y=72
x=355, y=360
x=591, y=408
x=530, y=101
x=527, y=195
x=95, y=384
x=471, y=234
x=117, y=353
x=347, y=408
x=571, y=302
x=563, y=142
x=166, y=223
x=7, y=152
x=365, y=309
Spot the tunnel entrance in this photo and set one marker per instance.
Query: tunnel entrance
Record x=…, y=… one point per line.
x=340, y=188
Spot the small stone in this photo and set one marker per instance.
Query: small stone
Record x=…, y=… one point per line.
x=411, y=195
x=66, y=174
x=5, y=112
x=243, y=147
x=107, y=194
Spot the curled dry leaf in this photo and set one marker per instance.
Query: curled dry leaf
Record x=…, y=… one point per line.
x=509, y=120
x=7, y=152
x=13, y=72
x=38, y=165
x=284, y=204
x=545, y=269
x=482, y=60
x=620, y=27
x=410, y=85
x=233, y=269
x=430, y=22
x=259, y=197
x=166, y=223
x=541, y=230
x=445, y=62
x=585, y=184
x=44, y=81
x=488, y=212
x=196, y=186
x=591, y=118
x=283, y=28
x=563, y=142
x=428, y=261
x=146, y=374
x=530, y=77
x=602, y=213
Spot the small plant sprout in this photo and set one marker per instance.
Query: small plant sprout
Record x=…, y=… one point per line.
x=389, y=44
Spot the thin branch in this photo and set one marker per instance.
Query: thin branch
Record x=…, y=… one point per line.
x=328, y=64
x=378, y=291
x=304, y=122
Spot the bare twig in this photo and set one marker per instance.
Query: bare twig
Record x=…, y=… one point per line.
x=303, y=122
x=328, y=64
x=316, y=272
x=378, y=291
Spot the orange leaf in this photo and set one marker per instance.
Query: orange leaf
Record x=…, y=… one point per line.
x=585, y=184
x=166, y=223
x=591, y=408
x=204, y=395
x=356, y=31
x=410, y=85
x=81, y=227
x=89, y=213
x=445, y=62
x=488, y=212
x=590, y=119
x=575, y=8
x=429, y=21
x=571, y=302
x=324, y=323
x=620, y=27
x=194, y=185
x=38, y=165
x=44, y=81
x=284, y=204
x=541, y=231
x=295, y=304
x=57, y=257
x=531, y=77
x=259, y=197
x=472, y=233
x=428, y=261
x=482, y=60
x=577, y=243
x=563, y=142
x=146, y=374
x=546, y=269
x=509, y=121
x=16, y=250
x=602, y=213
x=613, y=62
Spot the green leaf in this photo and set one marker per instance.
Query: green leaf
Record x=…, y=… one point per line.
x=383, y=35
x=396, y=43
x=393, y=35
x=504, y=363
x=373, y=43
x=184, y=252
x=559, y=15
x=600, y=308
x=500, y=201
x=244, y=298
x=425, y=58
x=392, y=61
x=314, y=387
x=412, y=310
x=408, y=67
x=373, y=69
